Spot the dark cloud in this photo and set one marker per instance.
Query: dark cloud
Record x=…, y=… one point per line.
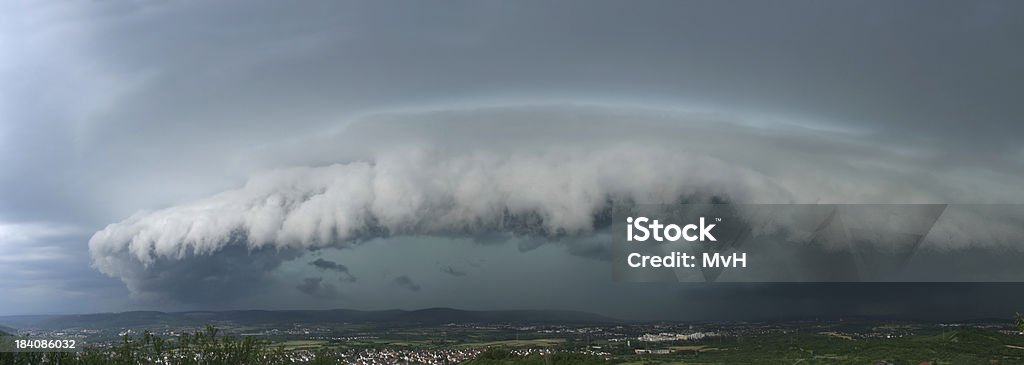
x=405, y=282
x=317, y=288
x=210, y=280
x=451, y=270
x=322, y=264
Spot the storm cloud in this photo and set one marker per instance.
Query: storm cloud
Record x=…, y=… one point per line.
x=529, y=185
x=216, y=149
x=316, y=287
x=405, y=282
x=450, y=270
x=333, y=266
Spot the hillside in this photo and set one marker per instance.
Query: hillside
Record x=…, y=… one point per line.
x=432, y=316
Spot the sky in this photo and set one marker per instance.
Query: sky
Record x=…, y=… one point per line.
x=379, y=154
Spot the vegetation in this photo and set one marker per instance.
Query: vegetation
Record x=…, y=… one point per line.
x=199, y=348
x=950, y=345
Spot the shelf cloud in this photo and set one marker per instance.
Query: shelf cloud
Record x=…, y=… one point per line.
x=429, y=185
x=213, y=158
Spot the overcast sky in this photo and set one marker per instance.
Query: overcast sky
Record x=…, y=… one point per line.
x=481, y=137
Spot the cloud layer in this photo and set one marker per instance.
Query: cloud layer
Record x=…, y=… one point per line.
x=438, y=185
x=186, y=100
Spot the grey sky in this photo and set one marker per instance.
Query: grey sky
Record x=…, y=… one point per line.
x=110, y=108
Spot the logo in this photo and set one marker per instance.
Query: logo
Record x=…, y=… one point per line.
x=671, y=232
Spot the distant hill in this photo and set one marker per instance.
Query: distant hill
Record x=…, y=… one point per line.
x=431, y=316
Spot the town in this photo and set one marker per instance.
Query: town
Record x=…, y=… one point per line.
x=613, y=341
